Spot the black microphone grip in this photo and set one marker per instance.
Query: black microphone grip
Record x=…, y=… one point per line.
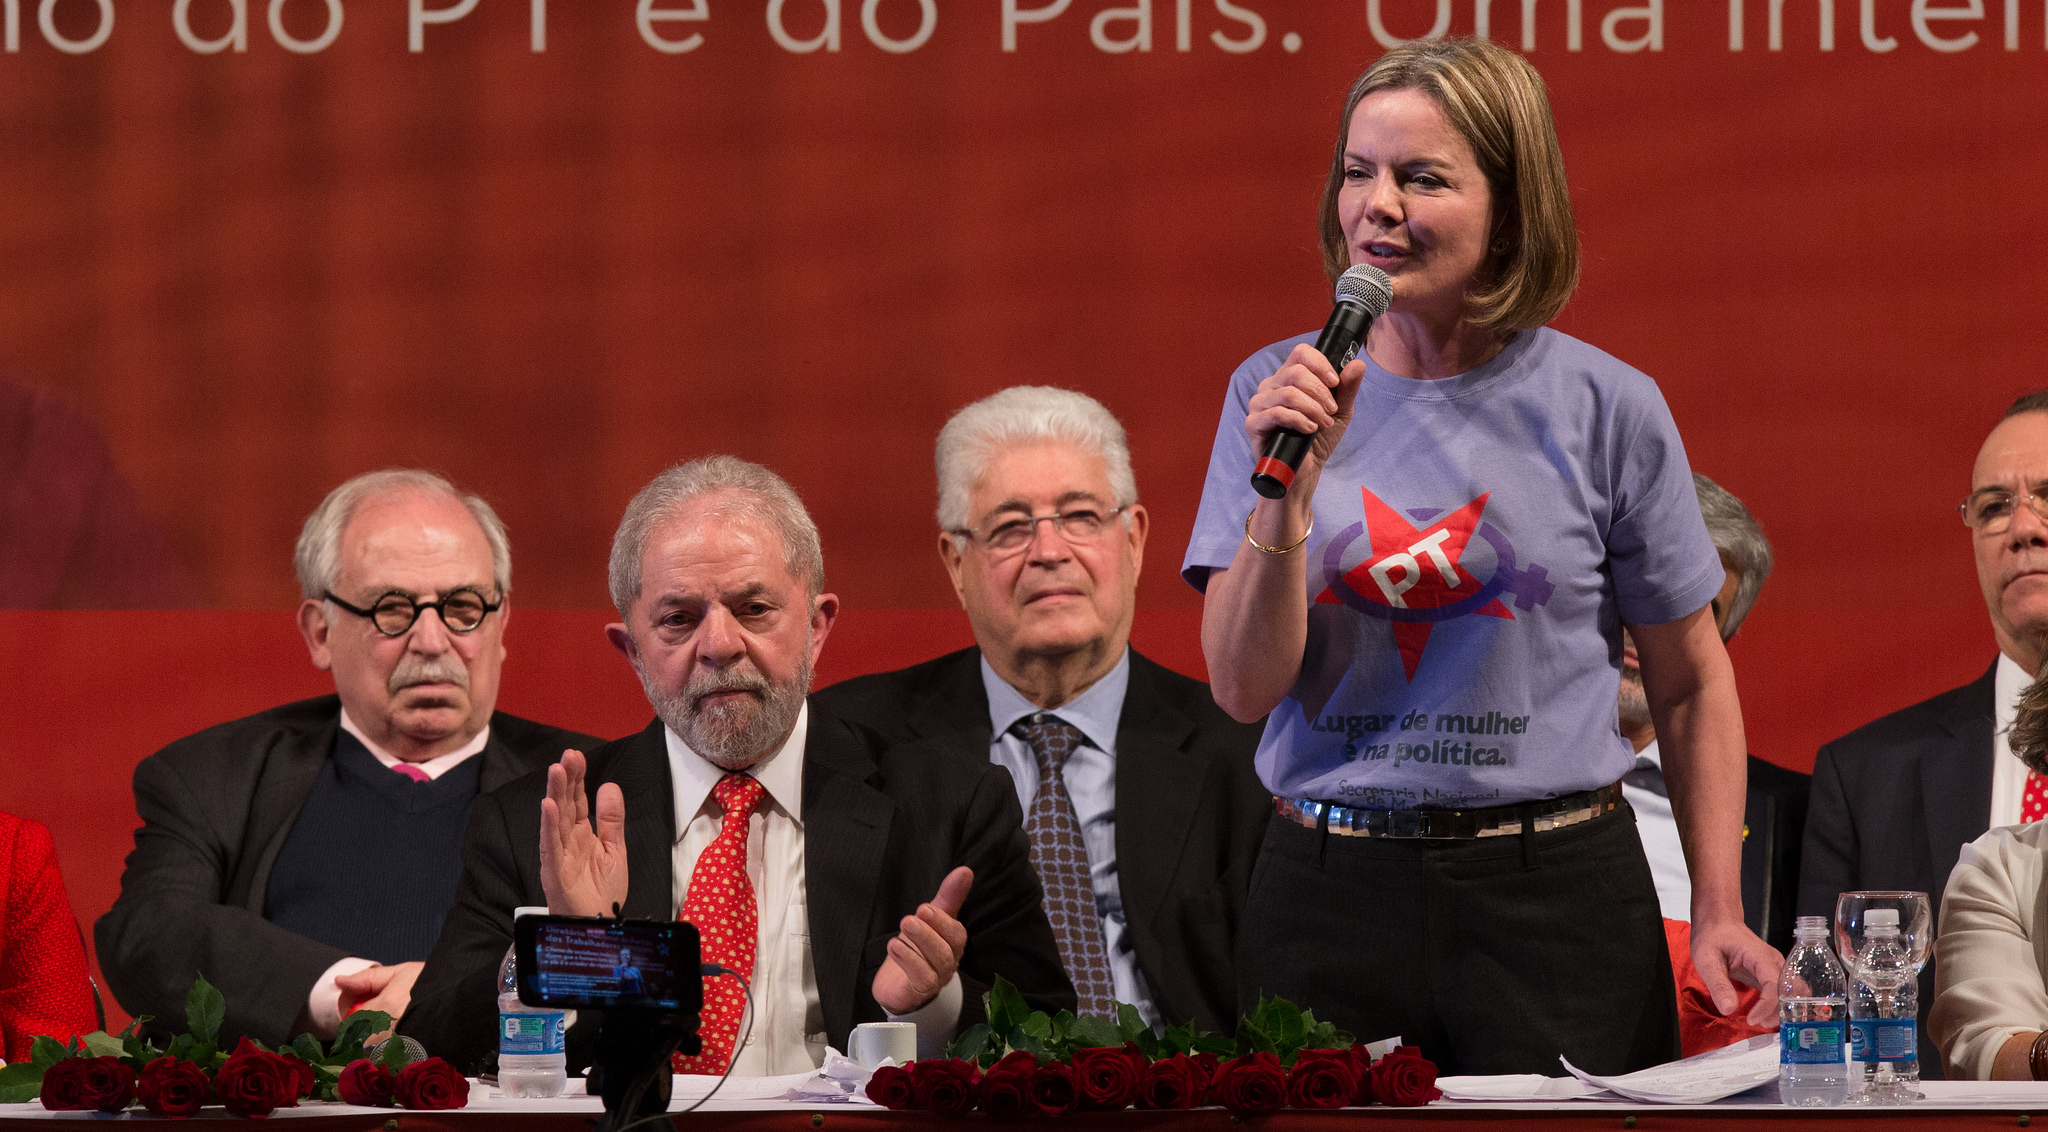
x=1275, y=471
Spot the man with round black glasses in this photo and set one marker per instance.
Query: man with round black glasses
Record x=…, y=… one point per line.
x=302, y=859
x=1895, y=801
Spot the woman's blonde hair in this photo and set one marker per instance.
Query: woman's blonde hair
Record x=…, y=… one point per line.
x=1497, y=102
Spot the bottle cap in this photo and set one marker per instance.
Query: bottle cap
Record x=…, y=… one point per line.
x=1810, y=925
x=1881, y=918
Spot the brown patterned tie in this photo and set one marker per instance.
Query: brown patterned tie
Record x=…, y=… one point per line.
x=1061, y=858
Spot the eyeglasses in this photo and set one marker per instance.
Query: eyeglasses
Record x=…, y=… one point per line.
x=1080, y=526
x=394, y=613
x=1990, y=509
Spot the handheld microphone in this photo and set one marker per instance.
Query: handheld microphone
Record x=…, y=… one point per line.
x=1363, y=294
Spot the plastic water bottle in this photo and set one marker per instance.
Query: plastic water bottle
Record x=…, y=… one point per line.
x=532, y=1058
x=1884, y=1001
x=1813, y=1014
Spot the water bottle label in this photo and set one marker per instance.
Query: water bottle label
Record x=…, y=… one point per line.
x=1883, y=1039
x=1810, y=1043
x=542, y=1034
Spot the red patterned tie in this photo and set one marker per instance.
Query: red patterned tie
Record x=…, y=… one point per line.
x=2034, y=803
x=721, y=903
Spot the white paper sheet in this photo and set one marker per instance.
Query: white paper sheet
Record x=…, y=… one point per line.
x=1699, y=1079
x=1516, y=1087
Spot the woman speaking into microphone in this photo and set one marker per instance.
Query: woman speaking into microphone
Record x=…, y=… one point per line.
x=1431, y=618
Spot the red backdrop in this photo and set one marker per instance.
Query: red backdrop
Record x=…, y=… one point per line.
x=549, y=274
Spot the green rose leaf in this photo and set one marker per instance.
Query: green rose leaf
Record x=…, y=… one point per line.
x=21, y=1082
x=1039, y=1025
x=308, y=1048
x=1005, y=1006
x=972, y=1045
x=393, y=1055
x=99, y=1043
x=45, y=1052
x=1129, y=1023
x=1021, y=1039
x=353, y=1031
x=1091, y=1033
x=204, y=1010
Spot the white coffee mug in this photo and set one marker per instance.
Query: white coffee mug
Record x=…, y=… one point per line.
x=873, y=1041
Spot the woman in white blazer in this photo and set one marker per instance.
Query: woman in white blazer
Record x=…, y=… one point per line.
x=1990, y=1016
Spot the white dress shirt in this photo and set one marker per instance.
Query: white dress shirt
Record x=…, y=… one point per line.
x=789, y=1024
x=1658, y=829
x=1090, y=778
x=2008, y=773
x=436, y=766
x=323, y=1002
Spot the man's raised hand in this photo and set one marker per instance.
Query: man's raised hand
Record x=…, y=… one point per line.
x=927, y=948
x=582, y=855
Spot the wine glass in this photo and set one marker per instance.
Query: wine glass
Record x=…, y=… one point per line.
x=1852, y=918
x=1916, y=924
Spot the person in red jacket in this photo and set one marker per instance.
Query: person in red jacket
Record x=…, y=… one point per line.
x=44, y=988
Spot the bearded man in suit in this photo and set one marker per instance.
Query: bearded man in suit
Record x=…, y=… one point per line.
x=1895, y=800
x=301, y=859
x=1144, y=812
x=849, y=878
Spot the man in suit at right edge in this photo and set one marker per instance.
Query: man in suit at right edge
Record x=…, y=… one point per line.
x=1142, y=807
x=1895, y=801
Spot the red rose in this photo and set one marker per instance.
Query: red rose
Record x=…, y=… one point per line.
x=308, y=1079
x=1004, y=1090
x=1207, y=1063
x=1361, y=1065
x=1322, y=1078
x=254, y=1083
x=64, y=1085
x=890, y=1088
x=173, y=1087
x=944, y=1085
x=1252, y=1083
x=1172, y=1082
x=1109, y=1077
x=431, y=1083
x=1405, y=1078
x=1055, y=1089
x=104, y=1083
x=366, y=1082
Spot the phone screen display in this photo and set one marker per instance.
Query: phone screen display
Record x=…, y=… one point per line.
x=573, y=961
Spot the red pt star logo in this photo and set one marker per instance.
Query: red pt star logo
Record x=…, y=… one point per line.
x=1417, y=568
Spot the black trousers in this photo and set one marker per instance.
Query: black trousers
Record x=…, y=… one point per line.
x=1492, y=955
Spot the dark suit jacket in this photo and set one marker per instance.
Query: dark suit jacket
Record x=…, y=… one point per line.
x=1773, y=822
x=883, y=825
x=1894, y=802
x=215, y=808
x=1190, y=818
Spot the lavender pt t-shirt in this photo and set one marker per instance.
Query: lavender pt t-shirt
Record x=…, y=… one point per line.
x=1479, y=542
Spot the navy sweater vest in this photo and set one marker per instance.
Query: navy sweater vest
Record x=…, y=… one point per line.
x=371, y=863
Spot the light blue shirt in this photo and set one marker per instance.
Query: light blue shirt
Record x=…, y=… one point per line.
x=1090, y=779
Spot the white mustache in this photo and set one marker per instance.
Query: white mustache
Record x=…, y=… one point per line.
x=413, y=670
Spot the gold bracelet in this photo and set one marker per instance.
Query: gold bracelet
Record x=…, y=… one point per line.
x=1290, y=547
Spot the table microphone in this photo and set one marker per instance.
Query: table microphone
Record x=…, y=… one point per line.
x=1363, y=294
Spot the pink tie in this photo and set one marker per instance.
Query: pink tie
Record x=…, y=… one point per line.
x=412, y=772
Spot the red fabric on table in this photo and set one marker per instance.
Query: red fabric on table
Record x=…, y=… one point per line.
x=1700, y=1027
x=43, y=984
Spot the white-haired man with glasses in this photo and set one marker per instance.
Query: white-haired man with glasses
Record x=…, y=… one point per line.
x=302, y=859
x=1142, y=808
x=1895, y=801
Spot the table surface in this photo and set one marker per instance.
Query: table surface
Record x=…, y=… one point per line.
x=1949, y=1105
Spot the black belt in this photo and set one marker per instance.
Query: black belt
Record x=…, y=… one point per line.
x=1494, y=821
